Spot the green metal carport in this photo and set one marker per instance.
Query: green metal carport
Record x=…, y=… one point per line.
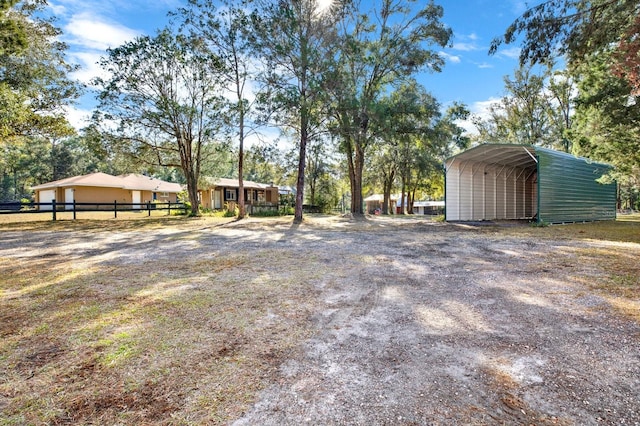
x=505, y=182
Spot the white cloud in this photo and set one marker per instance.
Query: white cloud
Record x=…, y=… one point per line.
x=89, y=68
x=481, y=108
x=484, y=65
x=478, y=109
x=57, y=9
x=451, y=58
x=511, y=53
x=467, y=42
x=78, y=118
x=466, y=47
x=90, y=32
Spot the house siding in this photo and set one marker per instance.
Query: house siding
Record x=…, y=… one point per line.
x=268, y=195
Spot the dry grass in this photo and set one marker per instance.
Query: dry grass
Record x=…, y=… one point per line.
x=616, y=254
x=192, y=343
x=161, y=344
x=25, y=221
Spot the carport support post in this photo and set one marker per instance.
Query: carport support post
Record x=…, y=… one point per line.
x=53, y=208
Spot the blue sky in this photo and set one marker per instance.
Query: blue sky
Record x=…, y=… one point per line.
x=469, y=76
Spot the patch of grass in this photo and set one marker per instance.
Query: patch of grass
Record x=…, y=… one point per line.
x=195, y=339
x=621, y=284
x=625, y=229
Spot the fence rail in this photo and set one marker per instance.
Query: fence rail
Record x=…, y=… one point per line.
x=54, y=207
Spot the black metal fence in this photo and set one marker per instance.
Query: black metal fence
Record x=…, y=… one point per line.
x=54, y=207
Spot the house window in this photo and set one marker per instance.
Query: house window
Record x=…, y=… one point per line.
x=230, y=194
x=164, y=195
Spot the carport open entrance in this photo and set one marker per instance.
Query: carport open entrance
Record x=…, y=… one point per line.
x=495, y=182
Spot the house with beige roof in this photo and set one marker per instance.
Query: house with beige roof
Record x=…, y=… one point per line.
x=222, y=193
x=100, y=187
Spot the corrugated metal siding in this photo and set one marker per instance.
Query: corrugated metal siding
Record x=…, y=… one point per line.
x=569, y=191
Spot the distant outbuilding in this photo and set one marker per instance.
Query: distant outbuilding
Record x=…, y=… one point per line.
x=509, y=182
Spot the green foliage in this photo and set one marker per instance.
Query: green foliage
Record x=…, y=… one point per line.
x=369, y=59
x=266, y=213
x=231, y=212
x=536, y=110
x=287, y=211
x=577, y=30
x=265, y=163
x=599, y=41
x=13, y=34
x=295, y=42
x=34, y=82
x=164, y=93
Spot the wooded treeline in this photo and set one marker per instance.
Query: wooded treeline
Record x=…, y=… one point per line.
x=335, y=81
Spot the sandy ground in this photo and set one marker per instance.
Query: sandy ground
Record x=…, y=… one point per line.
x=422, y=323
x=437, y=324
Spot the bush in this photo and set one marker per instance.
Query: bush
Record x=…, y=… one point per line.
x=287, y=211
x=266, y=213
x=230, y=212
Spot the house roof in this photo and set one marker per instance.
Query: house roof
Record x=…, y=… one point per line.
x=380, y=197
x=146, y=183
x=104, y=180
x=428, y=204
x=209, y=182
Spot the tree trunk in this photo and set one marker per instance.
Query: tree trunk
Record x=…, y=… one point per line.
x=387, y=185
x=356, y=187
x=191, y=170
x=241, y=202
x=411, y=197
x=403, y=208
x=304, y=123
x=192, y=190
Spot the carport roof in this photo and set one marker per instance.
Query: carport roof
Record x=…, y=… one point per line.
x=513, y=155
x=499, y=154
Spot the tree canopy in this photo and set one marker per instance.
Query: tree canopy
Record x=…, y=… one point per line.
x=377, y=49
x=162, y=103
x=576, y=28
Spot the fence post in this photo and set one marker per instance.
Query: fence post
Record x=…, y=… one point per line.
x=148, y=208
x=169, y=209
x=53, y=208
x=115, y=209
x=74, y=209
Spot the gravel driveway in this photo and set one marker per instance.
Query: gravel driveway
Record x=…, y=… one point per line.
x=441, y=324
x=418, y=323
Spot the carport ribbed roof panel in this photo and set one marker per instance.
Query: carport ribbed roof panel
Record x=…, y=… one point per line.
x=498, y=154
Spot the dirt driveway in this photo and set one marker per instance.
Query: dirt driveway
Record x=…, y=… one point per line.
x=414, y=322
